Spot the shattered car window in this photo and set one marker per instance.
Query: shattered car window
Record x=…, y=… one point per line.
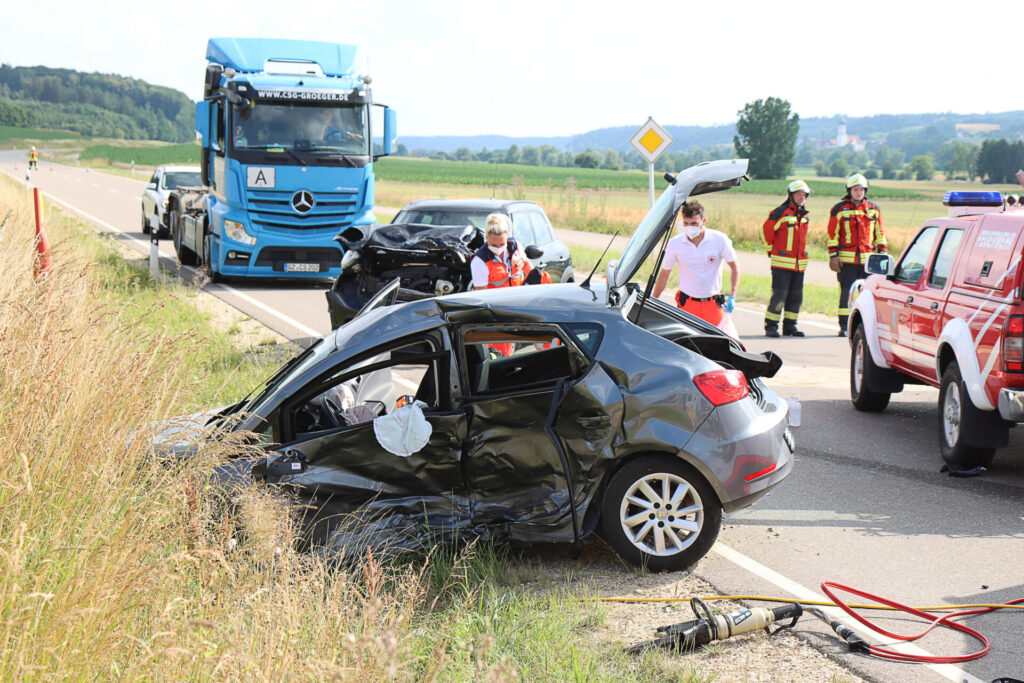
x=390, y=381
x=506, y=360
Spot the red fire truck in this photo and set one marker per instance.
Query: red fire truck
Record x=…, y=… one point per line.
x=948, y=314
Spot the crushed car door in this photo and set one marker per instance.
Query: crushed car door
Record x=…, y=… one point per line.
x=333, y=430
x=522, y=458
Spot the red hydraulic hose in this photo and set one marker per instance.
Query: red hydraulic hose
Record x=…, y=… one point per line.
x=944, y=620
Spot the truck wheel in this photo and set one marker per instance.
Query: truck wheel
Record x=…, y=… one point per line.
x=860, y=365
x=660, y=513
x=954, y=405
x=185, y=255
x=208, y=259
x=145, y=222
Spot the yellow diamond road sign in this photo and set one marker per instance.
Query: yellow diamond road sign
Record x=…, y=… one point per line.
x=651, y=140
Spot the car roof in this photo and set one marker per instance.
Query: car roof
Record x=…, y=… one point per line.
x=467, y=204
x=567, y=302
x=174, y=169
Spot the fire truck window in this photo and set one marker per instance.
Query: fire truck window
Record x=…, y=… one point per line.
x=911, y=266
x=944, y=259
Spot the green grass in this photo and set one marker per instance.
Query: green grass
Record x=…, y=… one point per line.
x=16, y=133
x=183, y=153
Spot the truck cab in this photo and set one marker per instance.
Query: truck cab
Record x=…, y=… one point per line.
x=948, y=314
x=287, y=160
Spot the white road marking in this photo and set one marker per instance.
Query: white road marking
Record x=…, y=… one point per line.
x=110, y=189
x=305, y=329
x=809, y=323
x=947, y=671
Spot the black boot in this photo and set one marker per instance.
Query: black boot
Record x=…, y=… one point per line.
x=792, y=332
x=771, y=331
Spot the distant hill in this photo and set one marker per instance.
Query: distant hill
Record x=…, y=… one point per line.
x=1011, y=124
x=94, y=104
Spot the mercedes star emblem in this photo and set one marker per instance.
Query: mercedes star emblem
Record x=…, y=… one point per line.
x=303, y=201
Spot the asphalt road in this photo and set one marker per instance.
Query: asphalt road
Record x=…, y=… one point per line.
x=865, y=505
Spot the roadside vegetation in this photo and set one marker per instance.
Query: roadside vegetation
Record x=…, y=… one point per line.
x=118, y=566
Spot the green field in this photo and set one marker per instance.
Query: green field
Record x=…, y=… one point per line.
x=184, y=153
x=15, y=133
x=409, y=170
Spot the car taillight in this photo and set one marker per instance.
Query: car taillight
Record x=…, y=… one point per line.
x=1013, y=343
x=722, y=386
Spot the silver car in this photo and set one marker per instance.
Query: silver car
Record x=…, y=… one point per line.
x=154, y=197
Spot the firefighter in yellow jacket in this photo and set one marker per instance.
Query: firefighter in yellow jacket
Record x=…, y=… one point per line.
x=854, y=231
x=33, y=159
x=785, y=233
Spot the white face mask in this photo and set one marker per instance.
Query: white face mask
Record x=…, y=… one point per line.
x=497, y=251
x=692, y=231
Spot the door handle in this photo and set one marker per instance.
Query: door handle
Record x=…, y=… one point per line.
x=594, y=422
x=910, y=299
x=444, y=441
x=934, y=306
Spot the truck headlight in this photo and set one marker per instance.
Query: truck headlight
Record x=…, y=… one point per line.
x=236, y=231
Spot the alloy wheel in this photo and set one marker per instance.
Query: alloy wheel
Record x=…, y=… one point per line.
x=661, y=514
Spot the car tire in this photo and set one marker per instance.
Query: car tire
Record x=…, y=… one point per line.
x=208, y=259
x=185, y=255
x=861, y=365
x=954, y=406
x=145, y=222
x=658, y=542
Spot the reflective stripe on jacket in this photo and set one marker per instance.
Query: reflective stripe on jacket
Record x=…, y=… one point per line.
x=785, y=233
x=855, y=229
x=500, y=275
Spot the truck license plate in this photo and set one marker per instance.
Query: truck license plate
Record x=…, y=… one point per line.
x=302, y=267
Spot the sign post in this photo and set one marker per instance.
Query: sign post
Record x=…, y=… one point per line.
x=651, y=141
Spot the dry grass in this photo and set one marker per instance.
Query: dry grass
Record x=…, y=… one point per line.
x=116, y=564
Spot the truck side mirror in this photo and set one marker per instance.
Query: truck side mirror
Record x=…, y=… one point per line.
x=203, y=122
x=390, y=131
x=880, y=264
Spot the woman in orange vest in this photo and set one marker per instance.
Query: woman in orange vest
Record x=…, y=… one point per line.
x=500, y=262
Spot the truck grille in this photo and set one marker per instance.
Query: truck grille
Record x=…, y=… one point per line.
x=276, y=257
x=271, y=210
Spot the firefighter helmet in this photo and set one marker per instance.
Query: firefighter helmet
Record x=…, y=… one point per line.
x=798, y=186
x=856, y=180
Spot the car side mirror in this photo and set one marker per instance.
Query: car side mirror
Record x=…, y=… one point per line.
x=150, y=186
x=880, y=264
x=534, y=251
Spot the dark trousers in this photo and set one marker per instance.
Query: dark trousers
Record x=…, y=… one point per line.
x=787, y=295
x=847, y=275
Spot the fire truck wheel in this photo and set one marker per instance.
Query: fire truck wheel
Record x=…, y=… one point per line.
x=954, y=406
x=660, y=513
x=860, y=366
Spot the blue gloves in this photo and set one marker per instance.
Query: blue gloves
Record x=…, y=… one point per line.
x=730, y=304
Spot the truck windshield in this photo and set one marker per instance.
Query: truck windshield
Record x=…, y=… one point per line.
x=301, y=127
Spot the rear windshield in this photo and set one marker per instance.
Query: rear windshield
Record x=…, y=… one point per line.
x=443, y=217
x=172, y=181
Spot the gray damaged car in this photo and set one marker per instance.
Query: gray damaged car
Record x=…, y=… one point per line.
x=529, y=413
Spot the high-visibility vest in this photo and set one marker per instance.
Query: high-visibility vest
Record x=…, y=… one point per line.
x=785, y=233
x=854, y=231
x=33, y=155
x=500, y=275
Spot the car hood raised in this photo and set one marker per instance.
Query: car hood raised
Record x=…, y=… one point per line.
x=711, y=176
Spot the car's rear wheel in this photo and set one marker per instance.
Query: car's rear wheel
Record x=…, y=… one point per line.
x=185, y=255
x=860, y=365
x=660, y=513
x=145, y=222
x=954, y=408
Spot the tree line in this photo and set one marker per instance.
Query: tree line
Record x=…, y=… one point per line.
x=94, y=104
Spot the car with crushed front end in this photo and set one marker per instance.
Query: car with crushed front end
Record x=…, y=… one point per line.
x=540, y=414
x=428, y=246
x=156, y=194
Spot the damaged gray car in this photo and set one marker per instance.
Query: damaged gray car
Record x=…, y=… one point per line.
x=531, y=413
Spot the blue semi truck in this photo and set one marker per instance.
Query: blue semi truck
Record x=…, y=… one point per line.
x=287, y=160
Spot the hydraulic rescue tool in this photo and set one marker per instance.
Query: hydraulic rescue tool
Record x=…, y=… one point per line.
x=708, y=627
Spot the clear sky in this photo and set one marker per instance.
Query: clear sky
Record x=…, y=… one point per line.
x=535, y=67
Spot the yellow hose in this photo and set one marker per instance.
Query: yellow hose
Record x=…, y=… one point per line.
x=823, y=603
